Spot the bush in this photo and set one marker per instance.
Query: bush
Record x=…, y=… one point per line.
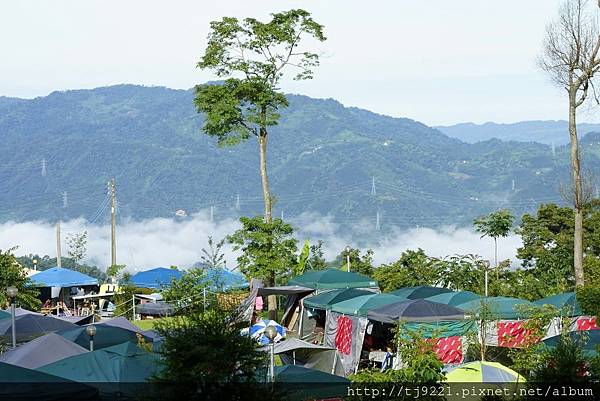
x=588, y=298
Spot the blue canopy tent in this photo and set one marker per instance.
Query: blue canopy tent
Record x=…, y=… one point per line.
x=224, y=280
x=52, y=282
x=155, y=278
x=60, y=277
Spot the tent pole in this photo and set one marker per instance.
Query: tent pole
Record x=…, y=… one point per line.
x=334, y=362
x=398, y=346
x=294, y=355
x=300, y=324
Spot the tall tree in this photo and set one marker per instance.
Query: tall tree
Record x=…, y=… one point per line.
x=268, y=251
x=316, y=260
x=570, y=57
x=77, y=246
x=496, y=224
x=259, y=53
x=212, y=257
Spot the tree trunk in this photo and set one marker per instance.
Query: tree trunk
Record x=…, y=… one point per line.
x=577, y=190
x=272, y=300
x=496, y=258
x=262, y=144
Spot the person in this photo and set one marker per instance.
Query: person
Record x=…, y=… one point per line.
x=47, y=304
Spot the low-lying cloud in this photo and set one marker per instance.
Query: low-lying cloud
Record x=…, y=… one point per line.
x=155, y=242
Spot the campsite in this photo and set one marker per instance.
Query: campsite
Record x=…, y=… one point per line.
x=300, y=201
x=335, y=328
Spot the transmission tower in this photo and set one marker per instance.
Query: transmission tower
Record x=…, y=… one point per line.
x=65, y=199
x=43, y=167
x=237, y=202
x=377, y=223
x=373, y=190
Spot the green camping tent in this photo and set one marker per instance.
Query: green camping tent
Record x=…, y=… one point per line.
x=419, y=292
x=440, y=329
x=333, y=279
x=20, y=383
x=499, y=307
x=565, y=302
x=454, y=298
x=324, y=300
x=106, y=336
x=123, y=363
x=588, y=340
x=301, y=383
x=359, y=306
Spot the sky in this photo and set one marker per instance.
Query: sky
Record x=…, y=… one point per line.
x=436, y=61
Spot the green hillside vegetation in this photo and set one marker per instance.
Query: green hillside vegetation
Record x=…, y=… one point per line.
x=322, y=158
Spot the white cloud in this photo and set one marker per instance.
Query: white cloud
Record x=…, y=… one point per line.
x=162, y=242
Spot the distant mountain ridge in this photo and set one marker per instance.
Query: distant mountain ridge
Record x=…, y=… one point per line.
x=61, y=149
x=547, y=132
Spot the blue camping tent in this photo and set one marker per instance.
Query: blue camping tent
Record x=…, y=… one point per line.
x=60, y=277
x=223, y=279
x=155, y=278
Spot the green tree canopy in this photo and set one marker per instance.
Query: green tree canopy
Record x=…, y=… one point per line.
x=362, y=264
x=13, y=274
x=548, y=244
x=412, y=269
x=208, y=357
x=495, y=225
x=268, y=249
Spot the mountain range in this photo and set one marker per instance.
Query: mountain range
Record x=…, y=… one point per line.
x=354, y=165
x=553, y=133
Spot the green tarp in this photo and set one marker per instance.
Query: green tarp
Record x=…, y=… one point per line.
x=498, y=307
x=123, y=363
x=589, y=341
x=566, y=302
x=324, y=300
x=333, y=279
x=442, y=329
x=4, y=315
x=454, y=298
x=106, y=336
x=19, y=383
x=419, y=292
x=361, y=305
x=301, y=383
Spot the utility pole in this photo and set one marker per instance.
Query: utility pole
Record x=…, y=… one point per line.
x=113, y=222
x=377, y=223
x=58, y=260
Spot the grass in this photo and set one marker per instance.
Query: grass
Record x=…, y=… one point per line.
x=147, y=324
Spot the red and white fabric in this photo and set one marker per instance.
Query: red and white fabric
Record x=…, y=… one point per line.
x=586, y=323
x=343, y=337
x=511, y=334
x=449, y=350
